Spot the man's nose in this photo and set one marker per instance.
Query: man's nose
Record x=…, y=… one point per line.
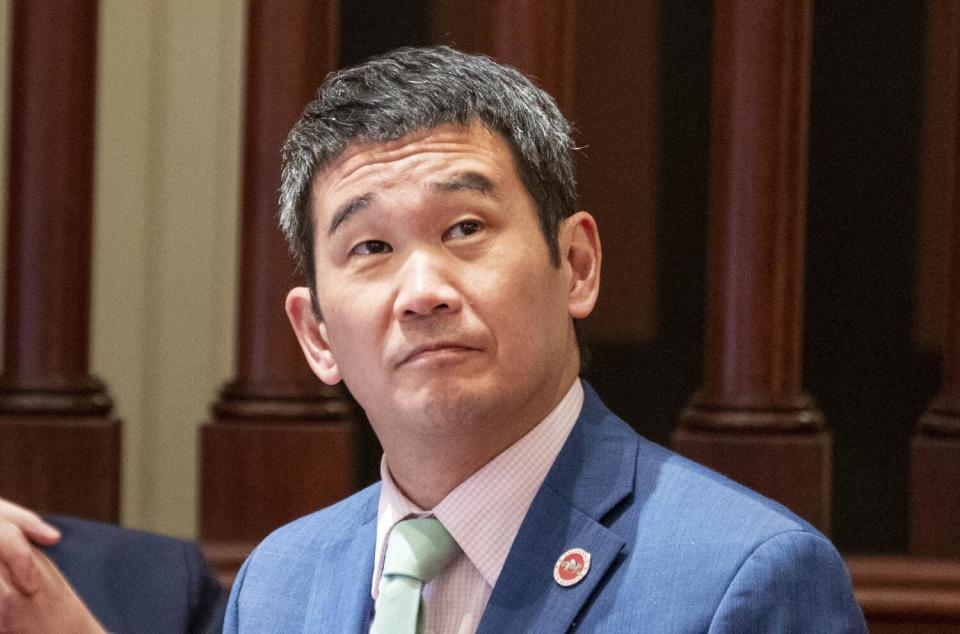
x=425, y=287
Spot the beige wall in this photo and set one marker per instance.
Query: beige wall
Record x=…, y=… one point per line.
x=169, y=104
x=169, y=127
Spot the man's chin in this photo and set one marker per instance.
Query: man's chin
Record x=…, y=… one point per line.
x=446, y=402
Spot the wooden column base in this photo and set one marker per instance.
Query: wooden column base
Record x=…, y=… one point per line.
x=63, y=465
x=257, y=476
x=793, y=469
x=935, y=496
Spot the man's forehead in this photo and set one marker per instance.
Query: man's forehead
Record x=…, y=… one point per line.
x=478, y=159
x=362, y=146
x=459, y=182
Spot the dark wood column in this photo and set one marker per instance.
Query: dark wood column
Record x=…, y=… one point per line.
x=59, y=446
x=751, y=418
x=935, y=451
x=535, y=37
x=281, y=443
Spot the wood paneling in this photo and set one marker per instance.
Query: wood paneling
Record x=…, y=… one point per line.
x=61, y=465
x=258, y=476
x=935, y=495
x=615, y=116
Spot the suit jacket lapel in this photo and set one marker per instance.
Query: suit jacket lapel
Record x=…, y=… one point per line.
x=593, y=473
x=340, y=599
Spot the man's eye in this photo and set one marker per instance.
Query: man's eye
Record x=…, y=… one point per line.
x=463, y=229
x=371, y=247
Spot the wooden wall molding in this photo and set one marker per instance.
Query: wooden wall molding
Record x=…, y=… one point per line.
x=907, y=594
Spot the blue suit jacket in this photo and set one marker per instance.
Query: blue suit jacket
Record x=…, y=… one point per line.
x=675, y=548
x=138, y=582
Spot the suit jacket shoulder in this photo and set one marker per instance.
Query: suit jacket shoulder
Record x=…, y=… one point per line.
x=674, y=547
x=315, y=570
x=134, y=581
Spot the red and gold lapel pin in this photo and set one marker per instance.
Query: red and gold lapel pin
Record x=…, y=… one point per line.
x=572, y=567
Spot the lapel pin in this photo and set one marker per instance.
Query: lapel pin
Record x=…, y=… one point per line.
x=572, y=567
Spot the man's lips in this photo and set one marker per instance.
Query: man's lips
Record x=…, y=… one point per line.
x=426, y=350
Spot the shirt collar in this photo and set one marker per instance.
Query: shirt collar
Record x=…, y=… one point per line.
x=484, y=513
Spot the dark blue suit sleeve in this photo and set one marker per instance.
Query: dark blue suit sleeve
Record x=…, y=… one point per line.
x=134, y=581
x=793, y=582
x=208, y=600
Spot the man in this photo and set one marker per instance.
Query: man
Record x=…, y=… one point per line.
x=429, y=198
x=92, y=577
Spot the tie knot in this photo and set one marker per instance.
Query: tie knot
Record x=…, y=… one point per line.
x=419, y=548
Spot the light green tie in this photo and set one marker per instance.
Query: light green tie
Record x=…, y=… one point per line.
x=417, y=551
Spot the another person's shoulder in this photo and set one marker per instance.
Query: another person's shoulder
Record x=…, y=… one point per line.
x=106, y=536
x=114, y=548
x=134, y=580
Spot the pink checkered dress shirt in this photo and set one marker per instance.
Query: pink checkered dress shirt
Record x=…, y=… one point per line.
x=483, y=515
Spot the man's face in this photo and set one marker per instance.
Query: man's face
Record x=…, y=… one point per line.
x=441, y=309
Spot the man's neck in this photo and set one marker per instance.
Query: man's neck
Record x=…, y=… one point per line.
x=431, y=472
x=426, y=469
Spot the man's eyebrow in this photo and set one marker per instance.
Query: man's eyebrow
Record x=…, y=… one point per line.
x=466, y=181
x=347, y=210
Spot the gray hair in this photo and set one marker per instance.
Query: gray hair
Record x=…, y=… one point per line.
x=412, y=89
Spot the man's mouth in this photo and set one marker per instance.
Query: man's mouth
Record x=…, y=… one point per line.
x=434, y=350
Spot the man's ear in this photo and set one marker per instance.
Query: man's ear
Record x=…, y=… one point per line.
x=580, y=257
x=312, y=335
